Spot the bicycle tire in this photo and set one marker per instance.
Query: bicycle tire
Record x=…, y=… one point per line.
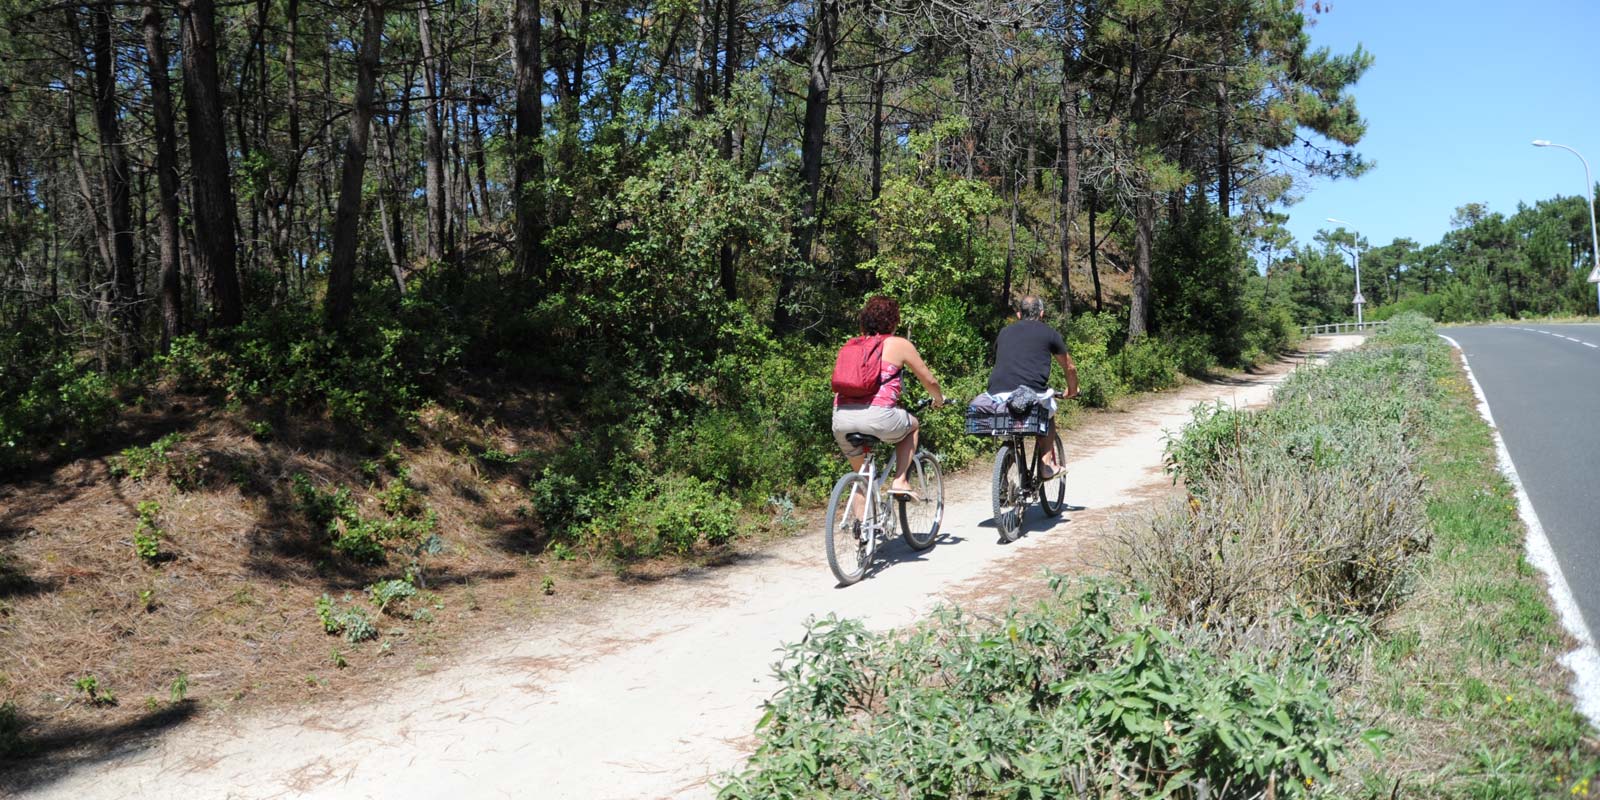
x=1006, y=493
x=928, y=481
x=1056, y=486
x=860, y=551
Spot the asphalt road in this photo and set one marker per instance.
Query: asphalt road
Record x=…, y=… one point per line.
x=1543, y=386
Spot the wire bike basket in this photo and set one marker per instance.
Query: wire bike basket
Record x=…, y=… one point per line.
x=1035, y=422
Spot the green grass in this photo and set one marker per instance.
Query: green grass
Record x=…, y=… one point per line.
x=1465, y=673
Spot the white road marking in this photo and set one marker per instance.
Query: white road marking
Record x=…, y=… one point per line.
x=1584, y=661
x=1547, y=333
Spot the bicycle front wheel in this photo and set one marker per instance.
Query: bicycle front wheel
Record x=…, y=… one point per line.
x=1053, y=492
x=920, y=517
x=848, y=537
x=1007, y=493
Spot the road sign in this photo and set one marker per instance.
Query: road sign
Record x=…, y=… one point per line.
x=1360, y=301
x=1594, y=274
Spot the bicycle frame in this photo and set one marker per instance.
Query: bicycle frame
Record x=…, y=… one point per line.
x=1030, y=470
x=881, y=530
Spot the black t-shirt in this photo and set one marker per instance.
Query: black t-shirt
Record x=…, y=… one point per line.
x=1022, y=356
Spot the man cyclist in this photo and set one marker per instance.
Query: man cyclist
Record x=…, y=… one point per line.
x=1023, y=352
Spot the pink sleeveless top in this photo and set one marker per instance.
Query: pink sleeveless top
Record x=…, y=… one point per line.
x=888, y=385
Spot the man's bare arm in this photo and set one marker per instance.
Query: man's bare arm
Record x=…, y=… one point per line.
x=1071, y=369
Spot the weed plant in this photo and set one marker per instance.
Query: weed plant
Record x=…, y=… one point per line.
x=147, y=535
x=1096, y=694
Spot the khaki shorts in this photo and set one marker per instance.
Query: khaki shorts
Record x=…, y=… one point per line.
x=890, y=425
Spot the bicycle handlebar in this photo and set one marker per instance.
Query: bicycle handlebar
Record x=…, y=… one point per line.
x=928, y=401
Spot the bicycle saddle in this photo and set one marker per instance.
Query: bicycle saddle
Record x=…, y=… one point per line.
x=861, y=439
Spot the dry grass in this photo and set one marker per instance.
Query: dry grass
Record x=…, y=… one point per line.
x=231, y=604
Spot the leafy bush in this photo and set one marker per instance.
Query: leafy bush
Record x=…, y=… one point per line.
x=1089, y=338
x=350, y=533
x=350, y=620
x=157, y=459
x=94, y=692
x=1092, y=695
x=1146, y=365
x=49, y=400
x=672, y=514
x=383, y=364
x=387, y=593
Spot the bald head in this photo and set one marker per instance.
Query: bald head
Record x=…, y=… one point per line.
x=1030, y=307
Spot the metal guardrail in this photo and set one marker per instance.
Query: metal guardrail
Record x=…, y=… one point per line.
x=1342, y=327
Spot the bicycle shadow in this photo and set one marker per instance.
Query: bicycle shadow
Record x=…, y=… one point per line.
x=1034, y=520
x=896, y=551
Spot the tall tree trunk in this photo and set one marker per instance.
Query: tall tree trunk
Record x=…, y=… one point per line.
x=171, y=292
x=347, y=218
x=700, y=83
x=291, y=186
x=434, y=186
x=1011, y=247
x=213, y=207
x=823, y=37
x=728, y=255
x=1068, y=161
x=877, y=151
x=1144, y=226
x=532, y=259
x=1224, y=157
x=114, y=177
x=1094, y=250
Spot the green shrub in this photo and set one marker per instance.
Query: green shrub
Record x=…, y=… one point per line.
x=385, y=363
x=1193, y=355
x=1099, y=384
x=1090, y=696
x=387, y=593
x=1089, y=338
x=157, y=459
x=353, y=535
x=50, y=402
x=350, y=620
x=1146, y=365
x=94, y=692
x=671, y=514
x=147, y=534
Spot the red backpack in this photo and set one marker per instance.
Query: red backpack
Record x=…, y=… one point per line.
x=856, y=370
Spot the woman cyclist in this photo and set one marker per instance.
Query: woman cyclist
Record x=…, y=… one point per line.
x=878, y=413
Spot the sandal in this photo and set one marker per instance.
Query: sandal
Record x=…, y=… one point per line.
x=910, y=494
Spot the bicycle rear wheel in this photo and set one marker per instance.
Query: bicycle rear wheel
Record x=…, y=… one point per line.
x=848, y=537
x=920, y=518
x=1007, y=494
x=1053, y=492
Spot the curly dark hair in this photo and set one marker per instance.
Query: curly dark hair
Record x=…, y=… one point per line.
x=880, y=316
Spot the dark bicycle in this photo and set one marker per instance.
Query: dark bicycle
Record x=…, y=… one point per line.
x=1019, y=468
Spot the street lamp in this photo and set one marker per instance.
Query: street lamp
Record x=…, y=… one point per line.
x=1355, y=253
x=1588, y=193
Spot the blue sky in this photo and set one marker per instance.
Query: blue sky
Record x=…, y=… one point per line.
x=1456, y=93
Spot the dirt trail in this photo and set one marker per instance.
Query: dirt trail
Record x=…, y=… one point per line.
x=653, y=692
